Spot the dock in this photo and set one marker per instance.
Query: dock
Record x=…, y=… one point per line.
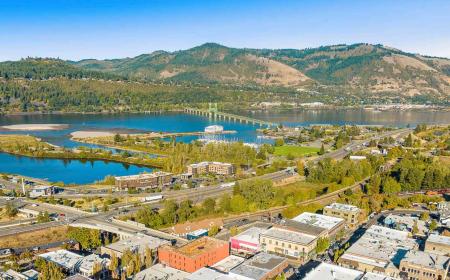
x=214, y=113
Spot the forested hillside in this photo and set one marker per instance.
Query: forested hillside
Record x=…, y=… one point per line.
x=343, y=74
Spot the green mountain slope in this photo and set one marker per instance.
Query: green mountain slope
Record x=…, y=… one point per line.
x=359, y=67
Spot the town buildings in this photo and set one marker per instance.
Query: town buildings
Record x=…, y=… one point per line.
x=219, y=168
x=332, y=225
x=42, y=191
x=247, y=242
x=408, y=223
x=347, y=212
x=420, y=265
x=293, y=239
x=144, y=181
x=205, y=251
x=438, y=244
x=135, y=244
x=261, y=266
x=326, y=271
x=72, y=263
x=379, y=250
x=160, y=271
x=14, y=275
x=184, y=229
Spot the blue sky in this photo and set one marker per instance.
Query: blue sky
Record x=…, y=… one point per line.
x=77, y=29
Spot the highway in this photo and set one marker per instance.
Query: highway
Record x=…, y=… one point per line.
x=103, y=220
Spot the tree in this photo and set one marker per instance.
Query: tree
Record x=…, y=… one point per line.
x=148, y=257
x=301, y=168
x=322, y=244
x=213, y=231
x=10, y=210
x=118, y=138
x=50, y=271
x=415, y=228
x=322, y=150
x=238, y=204
x=424, y=216
x=114, y=266
x=433, y=225
x=43, y=217
x=279, y=142
x=391, y=186
x=209, y=206
x=96, y=270
x=88, y=238
x=408, y=141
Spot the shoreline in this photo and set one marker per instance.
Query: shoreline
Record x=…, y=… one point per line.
x=436, y=108
x=34, y=127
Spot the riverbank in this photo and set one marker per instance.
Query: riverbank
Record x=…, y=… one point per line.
x=29, y=146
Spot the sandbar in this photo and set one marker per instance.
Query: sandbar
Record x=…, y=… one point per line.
x=89, y=134
x=35, y=127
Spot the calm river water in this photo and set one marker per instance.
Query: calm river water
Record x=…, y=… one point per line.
x=84, y=172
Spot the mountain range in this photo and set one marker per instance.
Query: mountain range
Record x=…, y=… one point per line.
x=359, y=67
x=364, y=70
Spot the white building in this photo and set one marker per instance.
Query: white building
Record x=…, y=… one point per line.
x=214, y=129
x=160, y=271
x=331, y=224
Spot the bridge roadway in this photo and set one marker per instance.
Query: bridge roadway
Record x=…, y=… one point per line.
x=227, y=116
x=197, y=195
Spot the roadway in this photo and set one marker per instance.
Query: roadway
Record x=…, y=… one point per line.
x=199, y=194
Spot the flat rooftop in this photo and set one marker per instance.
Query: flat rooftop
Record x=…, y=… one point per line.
x=289, y=235
x=159, y=271
x=143, y=176
x=428, y=260
x=140, y=242
x=342, y=207
x=380, y=246
x=257, y=266
x=440, y=239
x=63, y=258
x=228, y=263
x=87, y=263
x=205, y=163
x=326, y=271
x=377, y=276
x=198, y=246
x=206, y=273
x=318, y=220
x=250, y=235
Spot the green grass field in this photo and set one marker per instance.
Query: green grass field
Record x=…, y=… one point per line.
x=295, y=151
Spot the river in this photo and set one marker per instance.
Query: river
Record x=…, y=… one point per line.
x=75, y=171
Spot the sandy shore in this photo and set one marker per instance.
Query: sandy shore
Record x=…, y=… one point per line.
x=37, y=126
x=89, y=134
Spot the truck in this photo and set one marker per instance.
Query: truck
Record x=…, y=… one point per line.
x=152, y=198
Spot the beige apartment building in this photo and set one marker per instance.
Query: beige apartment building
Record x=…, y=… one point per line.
x=347, y=212
x=144, y=181
x=204, y=167
x=418, y=265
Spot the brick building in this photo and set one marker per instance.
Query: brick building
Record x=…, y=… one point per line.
x=205, y=251
x=204, y=167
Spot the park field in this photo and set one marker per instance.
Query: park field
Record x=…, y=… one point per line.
x=295, y=151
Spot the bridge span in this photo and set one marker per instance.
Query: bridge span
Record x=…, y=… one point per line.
x=214, y=113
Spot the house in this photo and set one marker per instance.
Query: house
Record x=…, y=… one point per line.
x=42, y=191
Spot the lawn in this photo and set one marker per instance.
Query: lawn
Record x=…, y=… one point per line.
x=295, y=151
